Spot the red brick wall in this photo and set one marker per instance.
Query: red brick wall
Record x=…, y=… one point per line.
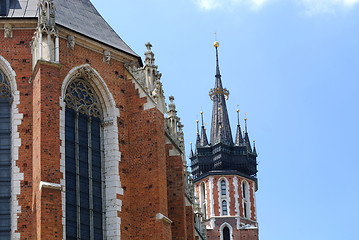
x=241, y=234
x=190, y=223
x=141, y=142
x=176, y=194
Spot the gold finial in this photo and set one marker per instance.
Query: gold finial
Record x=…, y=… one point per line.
x=243, y=131
x=197, y=121
x=246, y=114
x=245, y=119
x=216, y=44
x=237, y=110
x=219, y=109
x=254, y=141
x=201, y=112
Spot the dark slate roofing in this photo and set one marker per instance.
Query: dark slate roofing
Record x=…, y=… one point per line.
x=77, y=15
x=220, y=127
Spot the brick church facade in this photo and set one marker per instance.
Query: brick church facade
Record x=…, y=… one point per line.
x=88, y=147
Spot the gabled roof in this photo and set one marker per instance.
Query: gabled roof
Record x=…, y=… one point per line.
x=77, y=15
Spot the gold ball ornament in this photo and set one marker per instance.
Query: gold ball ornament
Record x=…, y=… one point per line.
x=216, y=44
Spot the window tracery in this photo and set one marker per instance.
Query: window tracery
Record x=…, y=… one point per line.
x=5, y=91
x=81, y=97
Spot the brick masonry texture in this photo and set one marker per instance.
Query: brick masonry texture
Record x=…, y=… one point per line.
x=233, y=199
x=152, y=181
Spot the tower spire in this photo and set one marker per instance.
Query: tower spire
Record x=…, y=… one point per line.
x=220, y=127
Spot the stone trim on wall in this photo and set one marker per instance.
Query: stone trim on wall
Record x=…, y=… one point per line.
x=112, y=155
x=16, y=175
x=221, y=198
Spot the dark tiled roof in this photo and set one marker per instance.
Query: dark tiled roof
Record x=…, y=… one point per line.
x=77, y=15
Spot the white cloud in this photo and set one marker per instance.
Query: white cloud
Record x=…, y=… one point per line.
x=215, y=4
x=311, y=7
x=326, y=6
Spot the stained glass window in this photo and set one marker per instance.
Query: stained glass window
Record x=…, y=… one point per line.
x=5, y=158
x=84, y=191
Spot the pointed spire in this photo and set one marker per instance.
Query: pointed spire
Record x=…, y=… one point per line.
x=254, y=147
x=239, y=138
x=246, y=137
x=191, y=153
x=198, y=140
x=219, y=115
x=204, y=140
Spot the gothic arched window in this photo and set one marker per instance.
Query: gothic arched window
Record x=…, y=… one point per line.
x=83, y=144
x=5, y=157
x=223, y=188
x=226, y=233
x=224, y=208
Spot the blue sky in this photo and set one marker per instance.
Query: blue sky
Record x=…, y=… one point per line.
x=293, y=66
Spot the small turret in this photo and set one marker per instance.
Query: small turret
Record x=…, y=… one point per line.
x=204, y=140
x=239, y=138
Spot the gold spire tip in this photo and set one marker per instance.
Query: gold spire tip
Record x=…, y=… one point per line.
x=246, y=114
x=219, y=109
x=245, y=119
x=201, y=112
x=254, y=141
x=216, y=44
x=237, y=110
x=197, y=121
x=190, y=143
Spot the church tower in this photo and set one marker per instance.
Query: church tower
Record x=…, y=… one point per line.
x=224, y=173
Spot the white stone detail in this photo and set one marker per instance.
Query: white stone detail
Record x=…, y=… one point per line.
x=211, y=195
x=112, y=155
x=236, y=195
x=222, y=198
x=16, y=175
x=7, y=30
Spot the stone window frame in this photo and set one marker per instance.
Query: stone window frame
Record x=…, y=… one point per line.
x=221, y=197
x=246, y=202
x=16, y=119
x=230, y=230
x=203, y=198
x=112, y=155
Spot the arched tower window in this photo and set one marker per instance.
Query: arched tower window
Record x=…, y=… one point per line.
x=5, y=157
x=226, y=233
x=203, y=199
x=83, y=161
x=246, y=200
x=223, y=188
x=224, y=208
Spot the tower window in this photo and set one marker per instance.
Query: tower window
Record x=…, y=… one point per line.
x=226, y=233
x=244, y=190
x=84, y=193
x=245, y=210
x=224, y=208
x=223, y=188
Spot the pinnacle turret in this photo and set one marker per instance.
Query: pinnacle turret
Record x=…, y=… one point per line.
x=204, y=140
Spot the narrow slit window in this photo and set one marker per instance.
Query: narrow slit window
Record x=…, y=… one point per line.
x=223, y=188
x=224, y=208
